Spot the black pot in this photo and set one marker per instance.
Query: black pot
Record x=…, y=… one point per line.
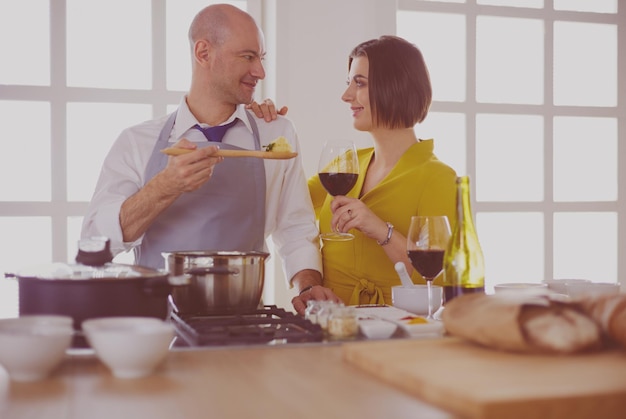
x=94, y=288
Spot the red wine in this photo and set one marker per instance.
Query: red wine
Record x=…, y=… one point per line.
x=449, y=292
x=338, y=183
x=428, y=262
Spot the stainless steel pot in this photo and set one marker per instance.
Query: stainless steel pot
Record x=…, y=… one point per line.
x=221, y=282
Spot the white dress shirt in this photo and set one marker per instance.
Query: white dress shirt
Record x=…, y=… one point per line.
x=289, y=216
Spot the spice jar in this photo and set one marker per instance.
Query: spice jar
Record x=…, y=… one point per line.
x=325, y=309
x=342, y=322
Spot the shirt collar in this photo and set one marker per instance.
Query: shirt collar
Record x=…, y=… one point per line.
x=185, y=120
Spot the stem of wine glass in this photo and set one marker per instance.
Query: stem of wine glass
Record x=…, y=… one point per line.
x=430, y=299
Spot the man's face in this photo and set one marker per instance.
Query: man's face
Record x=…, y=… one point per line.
x=237, y=66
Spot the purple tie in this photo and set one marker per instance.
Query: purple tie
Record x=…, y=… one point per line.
x=215, y=134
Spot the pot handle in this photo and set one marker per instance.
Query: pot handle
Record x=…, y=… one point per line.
x=161, y=287
x=219, y=270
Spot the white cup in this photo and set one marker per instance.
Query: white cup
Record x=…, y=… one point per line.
x=414, y=299
x=583, y=289
x=560, y=285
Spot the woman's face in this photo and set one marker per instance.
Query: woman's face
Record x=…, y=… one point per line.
x=357, y=94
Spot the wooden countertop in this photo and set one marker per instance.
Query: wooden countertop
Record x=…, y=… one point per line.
x=295, y=381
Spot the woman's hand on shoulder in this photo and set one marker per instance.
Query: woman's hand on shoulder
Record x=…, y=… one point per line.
x=267, y=110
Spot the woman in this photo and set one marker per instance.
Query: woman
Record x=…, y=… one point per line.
x=389, y=92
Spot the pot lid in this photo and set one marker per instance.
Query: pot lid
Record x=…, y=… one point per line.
x=93, y=261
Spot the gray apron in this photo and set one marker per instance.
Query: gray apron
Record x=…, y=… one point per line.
x=226, y=213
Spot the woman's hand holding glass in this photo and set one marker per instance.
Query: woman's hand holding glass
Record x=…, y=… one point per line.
x=338, y=171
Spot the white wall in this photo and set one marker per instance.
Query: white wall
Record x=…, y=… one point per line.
x=310, y=74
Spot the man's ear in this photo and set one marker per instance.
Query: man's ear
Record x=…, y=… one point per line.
x=202, y=51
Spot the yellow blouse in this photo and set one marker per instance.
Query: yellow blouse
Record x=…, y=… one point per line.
x=358, y=270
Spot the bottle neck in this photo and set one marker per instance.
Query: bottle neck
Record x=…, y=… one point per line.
x=464, y=205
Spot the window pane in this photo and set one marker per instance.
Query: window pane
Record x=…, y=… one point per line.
x=178, y=18
x=535, y=4
x=585, y=246
x=509, y=60
x=25, y=42
x=109, y=44
x=25, y=174
x=506, y=147
x=87, y=147
x=9, y=304
x=599, y=6
x=448, y=131
x=513, y=246
x=585, y=75
x=30, y=242
x=441, y=38
x=585, y=159
x=73, y=236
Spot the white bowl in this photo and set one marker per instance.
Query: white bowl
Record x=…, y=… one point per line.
x=533, y=288
x=414, y=299
x=131, y=347
x=377, y=328
x=583, y=289
x=32, y=346
x=560, y=285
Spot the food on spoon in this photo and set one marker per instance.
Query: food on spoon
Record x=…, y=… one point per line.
x=279, y=145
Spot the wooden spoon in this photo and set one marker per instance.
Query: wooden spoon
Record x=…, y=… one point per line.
x=281, y=155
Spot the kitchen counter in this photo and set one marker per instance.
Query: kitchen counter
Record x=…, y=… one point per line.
x=295, y=381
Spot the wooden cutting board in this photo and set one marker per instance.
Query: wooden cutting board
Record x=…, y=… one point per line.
x=477, y=382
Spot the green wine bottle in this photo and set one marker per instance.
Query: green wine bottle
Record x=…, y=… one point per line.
x=463, y=262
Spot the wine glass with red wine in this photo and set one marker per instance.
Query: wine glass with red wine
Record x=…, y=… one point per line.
x=427, y=240
x=338, y=171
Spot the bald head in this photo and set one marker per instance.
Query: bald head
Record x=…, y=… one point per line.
x=216, y=22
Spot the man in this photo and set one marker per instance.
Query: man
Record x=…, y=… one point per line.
x=152, y=203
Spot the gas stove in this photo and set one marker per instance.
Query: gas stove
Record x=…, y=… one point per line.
x=267, y=325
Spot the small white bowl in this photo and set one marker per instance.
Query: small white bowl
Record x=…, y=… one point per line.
x=414, y=299
x=583, y=289
x=560, y=285
x=532, y=288
x=131, y=347
x=32, y=346
x=377, y=328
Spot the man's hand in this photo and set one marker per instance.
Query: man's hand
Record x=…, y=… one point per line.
x=308, y=283
x=267, y=110
x=188, y=172
x=184, y=173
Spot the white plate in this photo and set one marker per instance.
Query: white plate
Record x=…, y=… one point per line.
x=402, y=318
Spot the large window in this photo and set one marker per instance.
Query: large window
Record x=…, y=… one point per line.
x=526, y=103
x=74, y=73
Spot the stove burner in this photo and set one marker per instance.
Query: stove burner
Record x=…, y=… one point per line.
x=269, y=325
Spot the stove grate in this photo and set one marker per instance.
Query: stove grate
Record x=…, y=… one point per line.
x=268, y=325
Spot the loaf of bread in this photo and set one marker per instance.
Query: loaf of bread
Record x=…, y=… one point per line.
x=558, y=328
x=523, y=324
x=609, y=312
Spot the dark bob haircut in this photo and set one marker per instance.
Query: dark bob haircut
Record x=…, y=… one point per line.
x=399, y=84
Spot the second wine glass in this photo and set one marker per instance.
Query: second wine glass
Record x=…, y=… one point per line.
x=338, y=171
x=427, y=240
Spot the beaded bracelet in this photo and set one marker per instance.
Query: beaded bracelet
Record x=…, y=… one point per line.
x=389, y=233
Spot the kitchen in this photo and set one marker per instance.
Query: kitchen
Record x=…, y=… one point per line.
x=302, y=91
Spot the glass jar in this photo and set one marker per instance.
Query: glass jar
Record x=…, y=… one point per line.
x=342, y=322
x=324, y=311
